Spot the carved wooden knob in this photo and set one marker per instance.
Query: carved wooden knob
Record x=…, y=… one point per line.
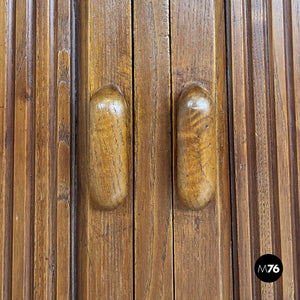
x=196, y=147
x=108, y=148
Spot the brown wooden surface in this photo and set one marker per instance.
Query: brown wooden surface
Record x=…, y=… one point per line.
x=6, y=142
x=105, y=249
x=107, y=148
x=63, y=142
x=23, y=184
x=202, y=238
x=44, y=205
x=153, y=171
x=265, y=98
x=295, y=48
x=126, y=256
x=35, y=52
x=196, y=147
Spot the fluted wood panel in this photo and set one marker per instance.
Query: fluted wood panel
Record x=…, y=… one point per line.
x=35, y=142
x=265, y=97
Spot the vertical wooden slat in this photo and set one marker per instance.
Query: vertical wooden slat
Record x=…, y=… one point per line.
x=242, y=178
x=152, y=127
x=44, y=249
x=283, y=120
x=23, y=192
x=63, y=92
x=6, y=142
x=73, y=148
x=295, y=19
x=202, y=238
x=264, y=111
x=262, y=190
x=105, y=238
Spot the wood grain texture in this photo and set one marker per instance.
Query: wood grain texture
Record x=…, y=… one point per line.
x=202, y=238
x=265, y=160
x=23, y=184
x=7, y=21
x=35, y=170
x=63, y=144
x=105, y=238
x=108, y=148
x=44, y=205
x=242, y=173
x=196, y=147
x=153, y=171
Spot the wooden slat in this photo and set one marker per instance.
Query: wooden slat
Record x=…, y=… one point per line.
x=23, y=191
x=202, y=238
x=261, y=147
x=242, y=177
x=6, y=143
x=105, y=249
x=279, y=70
x=295, y=22
x=264, y=144
x=63, y=162
x=44, y=249
x=152, y=127
x=73, y=145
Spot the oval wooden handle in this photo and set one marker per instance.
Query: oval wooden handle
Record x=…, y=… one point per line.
x=108, y=148
x=196, y=147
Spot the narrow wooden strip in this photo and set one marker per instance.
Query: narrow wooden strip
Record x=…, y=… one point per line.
x=230, y=40
x=239, y=96
x=44, y=251
x=7, y=21
x=22, y=263
x=295, y=7
x=153, y=178
x=202, y=238
x=73, y=141
x=63, y=128
x=105, y=238
x=262, y=76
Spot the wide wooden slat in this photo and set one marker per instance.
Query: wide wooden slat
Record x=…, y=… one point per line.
x=6, y=143
x=202, y=238
x=63, y=141
x=153, y=178
x=23, y=191
x=264, y=144
x=105, y=238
